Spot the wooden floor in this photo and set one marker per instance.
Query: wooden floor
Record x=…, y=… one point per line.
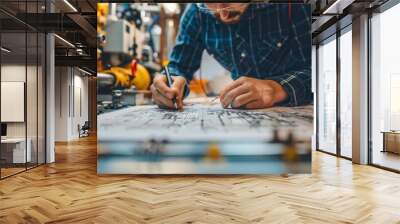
x=5, y=172
x=70, y=191
x=387, y=159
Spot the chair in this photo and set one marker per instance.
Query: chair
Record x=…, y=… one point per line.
x=84, y=130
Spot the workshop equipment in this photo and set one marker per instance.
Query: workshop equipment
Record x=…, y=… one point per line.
x=128, y=54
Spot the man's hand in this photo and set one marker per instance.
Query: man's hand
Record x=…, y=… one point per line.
x=163, y=95
x=252, y=93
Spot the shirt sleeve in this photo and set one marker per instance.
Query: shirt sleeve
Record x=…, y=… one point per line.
x=296, y=81
x=297, y=85
x=186, y=55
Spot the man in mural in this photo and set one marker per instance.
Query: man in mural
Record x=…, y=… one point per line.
x=266, y=47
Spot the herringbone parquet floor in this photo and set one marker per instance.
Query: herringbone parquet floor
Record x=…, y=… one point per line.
x=70, y=191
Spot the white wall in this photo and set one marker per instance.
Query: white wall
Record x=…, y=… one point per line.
x=71, y=102
x=13, y=101
x=62, y=82
x=14, y=73
x=80, y=109
x=33, y=126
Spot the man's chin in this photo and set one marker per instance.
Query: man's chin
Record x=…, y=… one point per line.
x=230, y=21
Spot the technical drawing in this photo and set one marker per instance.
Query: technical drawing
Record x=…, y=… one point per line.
x=203, y=122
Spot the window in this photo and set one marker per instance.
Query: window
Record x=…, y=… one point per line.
x=385, y=89
x=22, y=78
x=346, y=93
x=327, y=96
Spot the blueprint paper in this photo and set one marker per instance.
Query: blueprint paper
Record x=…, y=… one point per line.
x=204, y=122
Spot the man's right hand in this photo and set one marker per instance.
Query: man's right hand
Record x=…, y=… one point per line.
x=163, y=95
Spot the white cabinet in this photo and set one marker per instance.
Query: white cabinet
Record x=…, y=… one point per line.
x=15, y=148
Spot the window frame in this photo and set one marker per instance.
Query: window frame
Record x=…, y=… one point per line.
x=379, y=10
x=333, y=37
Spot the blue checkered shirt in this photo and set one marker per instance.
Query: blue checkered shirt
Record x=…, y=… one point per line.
x=267, y=43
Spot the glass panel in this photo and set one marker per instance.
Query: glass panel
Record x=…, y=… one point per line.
x=41, y=99
x=22, y=76
x=32, y=96
x=346, y=94
x=385, y=86
x=32, y=86
x=14, y=152
x=41, y=62
x=327, y=96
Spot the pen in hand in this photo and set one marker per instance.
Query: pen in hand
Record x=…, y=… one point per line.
x=169, y=84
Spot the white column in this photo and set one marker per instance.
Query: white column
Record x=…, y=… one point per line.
x=62, y=103
x=360, y=90
x=50, y=98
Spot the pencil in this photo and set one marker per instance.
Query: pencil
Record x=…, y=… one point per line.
x=169, y=83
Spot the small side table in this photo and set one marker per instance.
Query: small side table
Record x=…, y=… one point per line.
x=391, y=141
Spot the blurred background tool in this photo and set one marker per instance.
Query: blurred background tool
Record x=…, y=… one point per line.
x=134, y=43
x=128, y=54
x=290, y=150
x=214, y=152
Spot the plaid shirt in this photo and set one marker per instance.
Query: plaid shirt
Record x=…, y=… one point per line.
x=267, y=43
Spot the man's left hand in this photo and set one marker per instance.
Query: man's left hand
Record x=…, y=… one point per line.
x=251, y=93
